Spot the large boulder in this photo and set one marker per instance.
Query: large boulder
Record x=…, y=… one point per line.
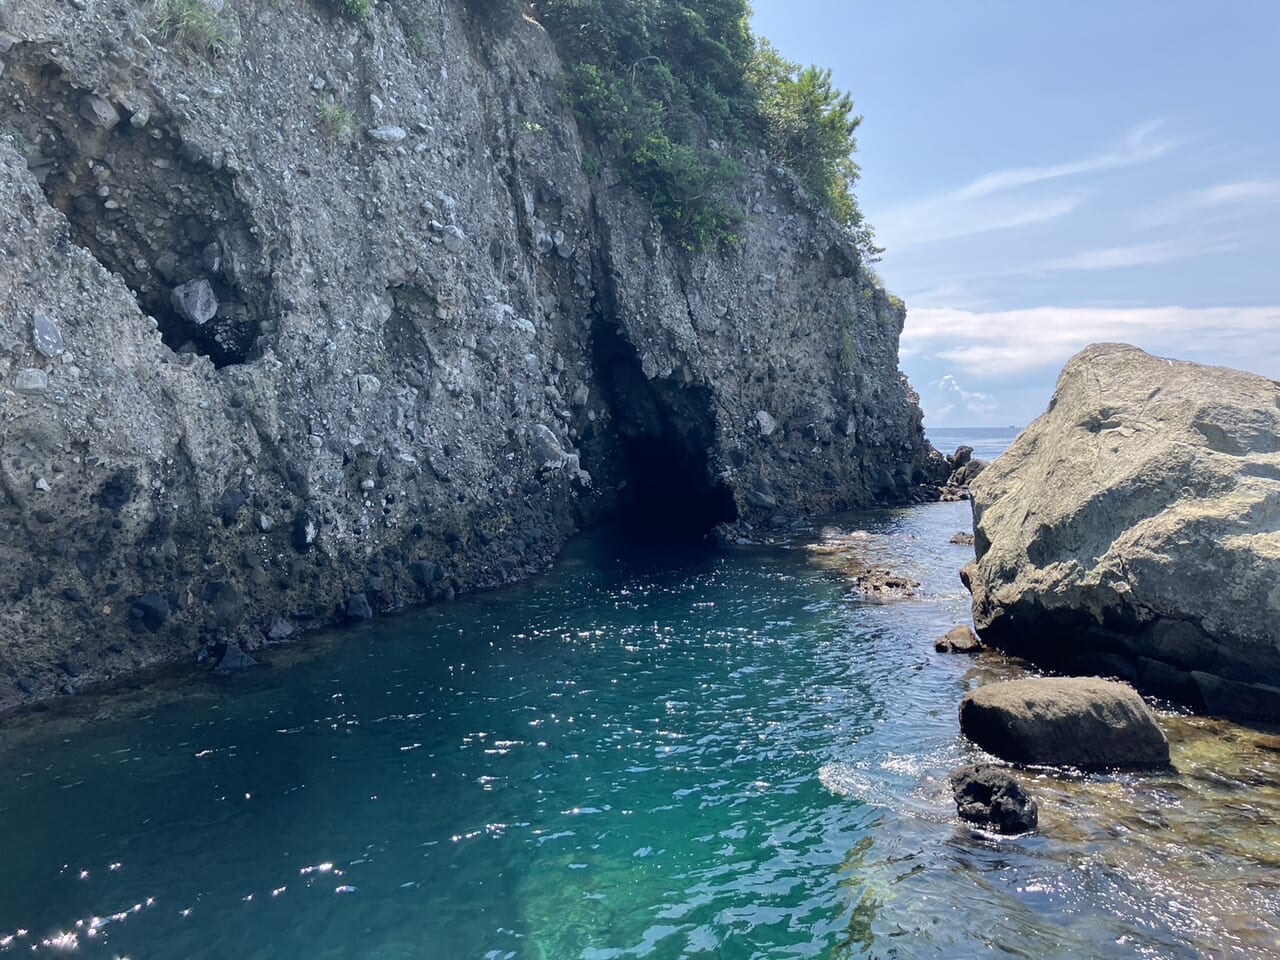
x=1134, y=530
x=1072, y=721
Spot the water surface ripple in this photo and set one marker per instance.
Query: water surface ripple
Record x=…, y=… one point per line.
x=649, y=752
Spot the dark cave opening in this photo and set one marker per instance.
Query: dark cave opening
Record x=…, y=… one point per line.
x=148, y=206
x=661, y=435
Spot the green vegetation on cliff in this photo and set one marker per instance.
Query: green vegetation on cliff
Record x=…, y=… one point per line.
x=674, y=89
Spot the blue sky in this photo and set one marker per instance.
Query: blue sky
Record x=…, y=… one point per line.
x=1047, y=175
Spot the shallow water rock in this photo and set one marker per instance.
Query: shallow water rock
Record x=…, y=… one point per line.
x=990, y=796
x=1138, y=518
x=959, y=639
x=1073, y=721
x=358, y=607
x=234, y=658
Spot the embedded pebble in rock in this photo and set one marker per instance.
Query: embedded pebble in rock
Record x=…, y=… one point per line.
x=387, y=134
x=151, y=610
x=455, y=241
x=46, y=335
x=546, y=446
x=195, y=301
x=98, y=111
x=31, y=381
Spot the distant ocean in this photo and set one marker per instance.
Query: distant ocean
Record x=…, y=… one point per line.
x=987, y=442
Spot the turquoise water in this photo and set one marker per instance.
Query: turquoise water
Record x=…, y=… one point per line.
x=656, y=750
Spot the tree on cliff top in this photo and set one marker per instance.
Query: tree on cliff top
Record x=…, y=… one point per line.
x=673, y=88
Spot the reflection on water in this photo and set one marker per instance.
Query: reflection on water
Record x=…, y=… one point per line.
x=654, y=751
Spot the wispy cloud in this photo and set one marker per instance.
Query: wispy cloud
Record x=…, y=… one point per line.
x=1004, y=200
x=1140, y=146
x=1014, y=343
x=1134, y=255
x=1237, y=199
x=1242, y=191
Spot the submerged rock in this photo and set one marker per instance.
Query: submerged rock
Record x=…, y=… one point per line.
x=1071, y=721
x=358, y=607
x=234, y=658
x=1133, y=528
x=992, y=797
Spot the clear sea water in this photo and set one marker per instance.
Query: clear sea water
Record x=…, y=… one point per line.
x=659, y=749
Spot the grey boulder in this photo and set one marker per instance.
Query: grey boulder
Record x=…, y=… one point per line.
x=1134, y=530
x=1069, y=721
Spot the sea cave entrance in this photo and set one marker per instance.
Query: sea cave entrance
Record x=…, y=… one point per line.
x=658, y=446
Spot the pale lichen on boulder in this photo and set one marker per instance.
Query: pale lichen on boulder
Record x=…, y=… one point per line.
x=1134, y=530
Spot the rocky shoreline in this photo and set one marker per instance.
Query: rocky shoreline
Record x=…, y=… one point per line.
x=1127, y=534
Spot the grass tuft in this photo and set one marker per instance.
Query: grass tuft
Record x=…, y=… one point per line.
x=338, y=122
x=194, y=27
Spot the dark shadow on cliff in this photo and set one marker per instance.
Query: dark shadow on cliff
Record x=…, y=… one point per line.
x=661, y=432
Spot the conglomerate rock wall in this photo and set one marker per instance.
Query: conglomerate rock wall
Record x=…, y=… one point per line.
x=335, y=322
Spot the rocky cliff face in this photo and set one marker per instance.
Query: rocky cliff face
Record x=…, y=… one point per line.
x=336, y=323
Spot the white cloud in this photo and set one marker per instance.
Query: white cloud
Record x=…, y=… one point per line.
x=1001, y=200
x=979, y=404
x=1012, y=343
